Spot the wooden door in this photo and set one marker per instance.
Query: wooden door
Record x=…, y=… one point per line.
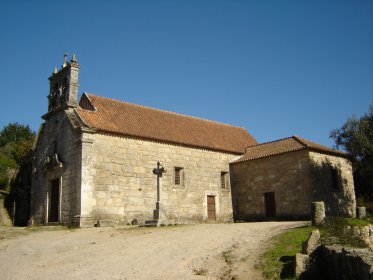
x=270, y=204
x=54, y=201
x=211, y=216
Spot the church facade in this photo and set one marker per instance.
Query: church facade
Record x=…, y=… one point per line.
x=94, y=162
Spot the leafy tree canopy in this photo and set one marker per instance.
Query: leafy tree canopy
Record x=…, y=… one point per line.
x=15, y=132
x=15, y=143
x=356, y=138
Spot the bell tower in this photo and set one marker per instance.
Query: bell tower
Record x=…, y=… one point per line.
x=63, y=92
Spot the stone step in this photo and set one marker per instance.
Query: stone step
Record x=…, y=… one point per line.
x=152, y=223
x=159, y=223
x=106, y=223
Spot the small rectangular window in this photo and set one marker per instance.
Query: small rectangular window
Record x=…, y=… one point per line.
x=335, y=178
x=179, y=176
x=55, y=147
x=224, y=180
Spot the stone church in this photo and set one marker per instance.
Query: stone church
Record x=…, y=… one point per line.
x=103, y=161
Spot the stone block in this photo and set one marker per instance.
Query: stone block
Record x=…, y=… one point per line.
x=100, y=201
x=117, y=168
x=118, y=202
x=102, y=194
x=301, y=264
x=116, y=194
x=313, y=242
x=106, y=223
x=317, y=213
x=83, y=221
x=361, y=212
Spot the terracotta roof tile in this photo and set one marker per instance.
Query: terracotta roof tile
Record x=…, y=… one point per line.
x=114, y=116
x=285, y=145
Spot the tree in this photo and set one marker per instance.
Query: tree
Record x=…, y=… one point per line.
x=15, y=143
x=356, y=138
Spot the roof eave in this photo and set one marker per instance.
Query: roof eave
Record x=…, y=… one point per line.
x=269, y=155
x=330, y=152
x=313, y=149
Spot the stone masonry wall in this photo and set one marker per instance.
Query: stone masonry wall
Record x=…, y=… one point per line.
x=287, y=175
x=119, y=185
x=57, y=128
x=338, y=193
x=296, y=178
x=335, y=262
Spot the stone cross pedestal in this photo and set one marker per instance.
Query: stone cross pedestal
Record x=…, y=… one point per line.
x=159, y=217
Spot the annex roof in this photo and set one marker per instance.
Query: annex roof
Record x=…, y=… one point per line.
x=127, y=119
x=286, y=145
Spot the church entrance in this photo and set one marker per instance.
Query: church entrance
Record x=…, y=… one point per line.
x=270, y=204
x=211, y=208
x=54, y=201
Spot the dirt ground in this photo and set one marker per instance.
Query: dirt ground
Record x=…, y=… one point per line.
x=205, y=251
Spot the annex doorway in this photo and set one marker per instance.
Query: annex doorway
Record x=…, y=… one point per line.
x=54, y=201
x=270, y=204
x=211, y=211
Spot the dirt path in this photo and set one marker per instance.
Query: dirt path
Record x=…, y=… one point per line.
x=206, y=251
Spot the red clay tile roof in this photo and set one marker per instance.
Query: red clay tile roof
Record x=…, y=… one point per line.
x=285, y=145
x=123, y=118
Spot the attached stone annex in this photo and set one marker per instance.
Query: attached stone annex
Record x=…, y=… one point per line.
x=96, y=159
x=282, y=178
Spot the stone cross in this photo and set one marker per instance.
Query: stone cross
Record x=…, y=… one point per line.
x=158, y=171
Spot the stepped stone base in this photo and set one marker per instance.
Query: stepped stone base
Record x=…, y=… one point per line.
x=83, y=221
x=159, y=223
x=159, y=218
x=106, y=223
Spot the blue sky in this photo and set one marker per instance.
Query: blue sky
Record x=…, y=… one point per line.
x=277, y=68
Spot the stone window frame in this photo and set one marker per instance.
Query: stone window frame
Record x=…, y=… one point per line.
x=224, y=180
x=179, y=177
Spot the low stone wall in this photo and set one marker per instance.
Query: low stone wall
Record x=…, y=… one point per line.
x=333, y=262
x=362, y=233
x=336, y=262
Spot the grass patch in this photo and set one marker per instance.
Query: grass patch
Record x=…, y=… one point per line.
x=357, y=222
x=278, y=261
x=333, y=231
